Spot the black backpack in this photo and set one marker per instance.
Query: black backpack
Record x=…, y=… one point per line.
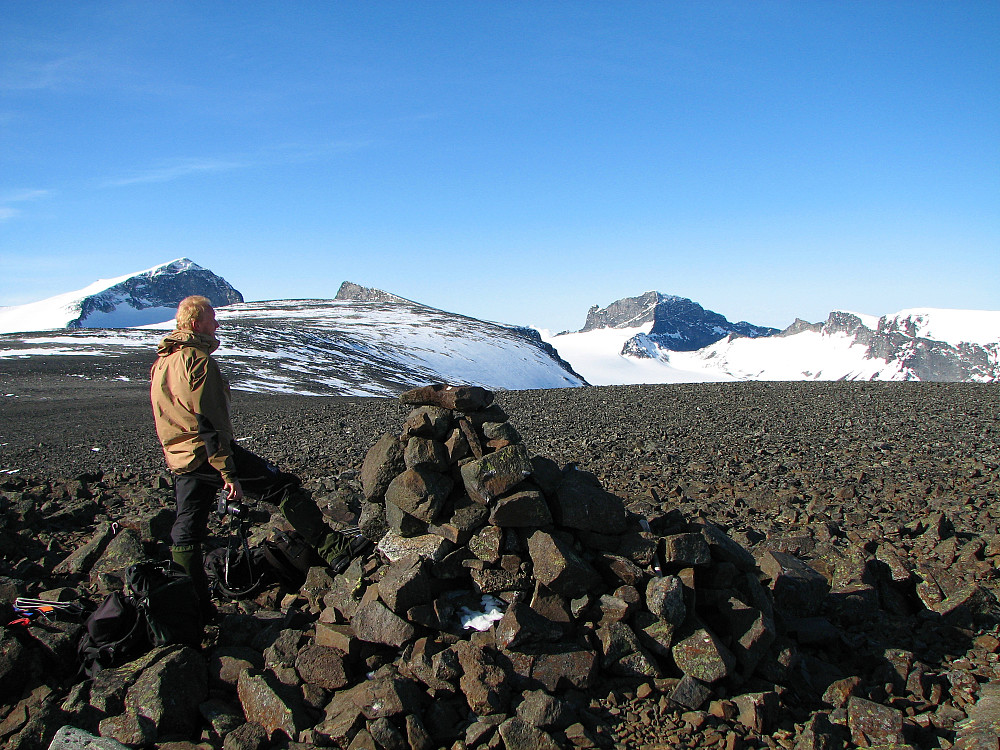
x=158, y=607
x=166, y=595
x=113, y=634
x=291, y=557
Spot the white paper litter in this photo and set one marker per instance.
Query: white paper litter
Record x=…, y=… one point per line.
x=473, y=620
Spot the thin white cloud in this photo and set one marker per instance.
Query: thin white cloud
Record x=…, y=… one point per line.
x=8, y=212
x=30, y=75
x=293, y=153
x=18, y=196
x=283, y=154
x=178, y=169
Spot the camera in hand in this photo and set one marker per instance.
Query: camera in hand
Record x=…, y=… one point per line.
x=237, y=510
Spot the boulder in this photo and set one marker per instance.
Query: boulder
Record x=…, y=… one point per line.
x=72, y=738
x=496, y=473
x=271, y=704
x=459, y=398
x=383, y=462
x=522, y=507
x=419, y=492
x=376, y=623
x=665, y=599
x=797, y=587
x=322, y=666
x=170, y=690
x=558, y=567
x=703, y=656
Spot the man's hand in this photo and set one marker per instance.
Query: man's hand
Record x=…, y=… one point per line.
x=234, y=493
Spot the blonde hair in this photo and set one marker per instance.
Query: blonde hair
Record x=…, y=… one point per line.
x=190, y=310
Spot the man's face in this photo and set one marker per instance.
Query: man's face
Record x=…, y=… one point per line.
x=206, y=324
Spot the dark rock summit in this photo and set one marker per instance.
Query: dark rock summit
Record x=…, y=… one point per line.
x=357, y=293
x=678, y=324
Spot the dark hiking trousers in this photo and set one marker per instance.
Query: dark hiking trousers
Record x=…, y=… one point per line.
x=196, y=493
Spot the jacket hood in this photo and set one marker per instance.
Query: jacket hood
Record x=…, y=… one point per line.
x=178, y=339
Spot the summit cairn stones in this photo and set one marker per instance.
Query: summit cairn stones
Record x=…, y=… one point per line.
x=796, y=586
x=703, y=656
x=496, y=473
x=383, y=463
x=865, y=619
x=581, y=503
x=558, y=567
x=419, y=492
x=501, y=573
x=464, y=398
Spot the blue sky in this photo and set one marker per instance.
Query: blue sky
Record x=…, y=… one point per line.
x=515, y=161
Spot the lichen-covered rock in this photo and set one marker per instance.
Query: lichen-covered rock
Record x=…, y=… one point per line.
x=273, y=705
x=558, y=567
x=703, y=656
x=496, y=473
x=873, y=724
x=665, y=599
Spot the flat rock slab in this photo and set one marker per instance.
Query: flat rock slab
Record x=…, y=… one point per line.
x=71, y=738
x=981, y=731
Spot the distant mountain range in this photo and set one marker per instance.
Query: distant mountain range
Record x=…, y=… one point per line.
x=656, y=338
x=371, y=342
x=149, y=296
x=365, y=342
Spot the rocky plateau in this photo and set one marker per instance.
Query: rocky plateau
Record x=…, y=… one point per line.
x=740, y=565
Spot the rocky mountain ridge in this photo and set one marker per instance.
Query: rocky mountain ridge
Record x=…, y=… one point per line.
x=893, y=347
x=357, y=293
x=678, y=323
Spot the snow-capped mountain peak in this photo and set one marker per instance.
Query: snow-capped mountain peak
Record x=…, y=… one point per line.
x=142, y=298
x=661, y=322
x=952, y=326
x=368, y=341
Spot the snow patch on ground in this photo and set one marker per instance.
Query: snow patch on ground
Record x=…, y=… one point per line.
x=596, y=355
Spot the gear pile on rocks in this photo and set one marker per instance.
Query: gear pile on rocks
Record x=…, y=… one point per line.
x=514, y=603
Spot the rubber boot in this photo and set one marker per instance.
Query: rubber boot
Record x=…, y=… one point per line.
x=189, y=557
x=307, y=519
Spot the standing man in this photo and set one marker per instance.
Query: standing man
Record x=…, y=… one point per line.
x=190, y=401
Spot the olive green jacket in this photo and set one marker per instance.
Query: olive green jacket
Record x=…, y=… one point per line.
x=191, y=404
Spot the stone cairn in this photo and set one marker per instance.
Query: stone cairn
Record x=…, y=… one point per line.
x=588, y=592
